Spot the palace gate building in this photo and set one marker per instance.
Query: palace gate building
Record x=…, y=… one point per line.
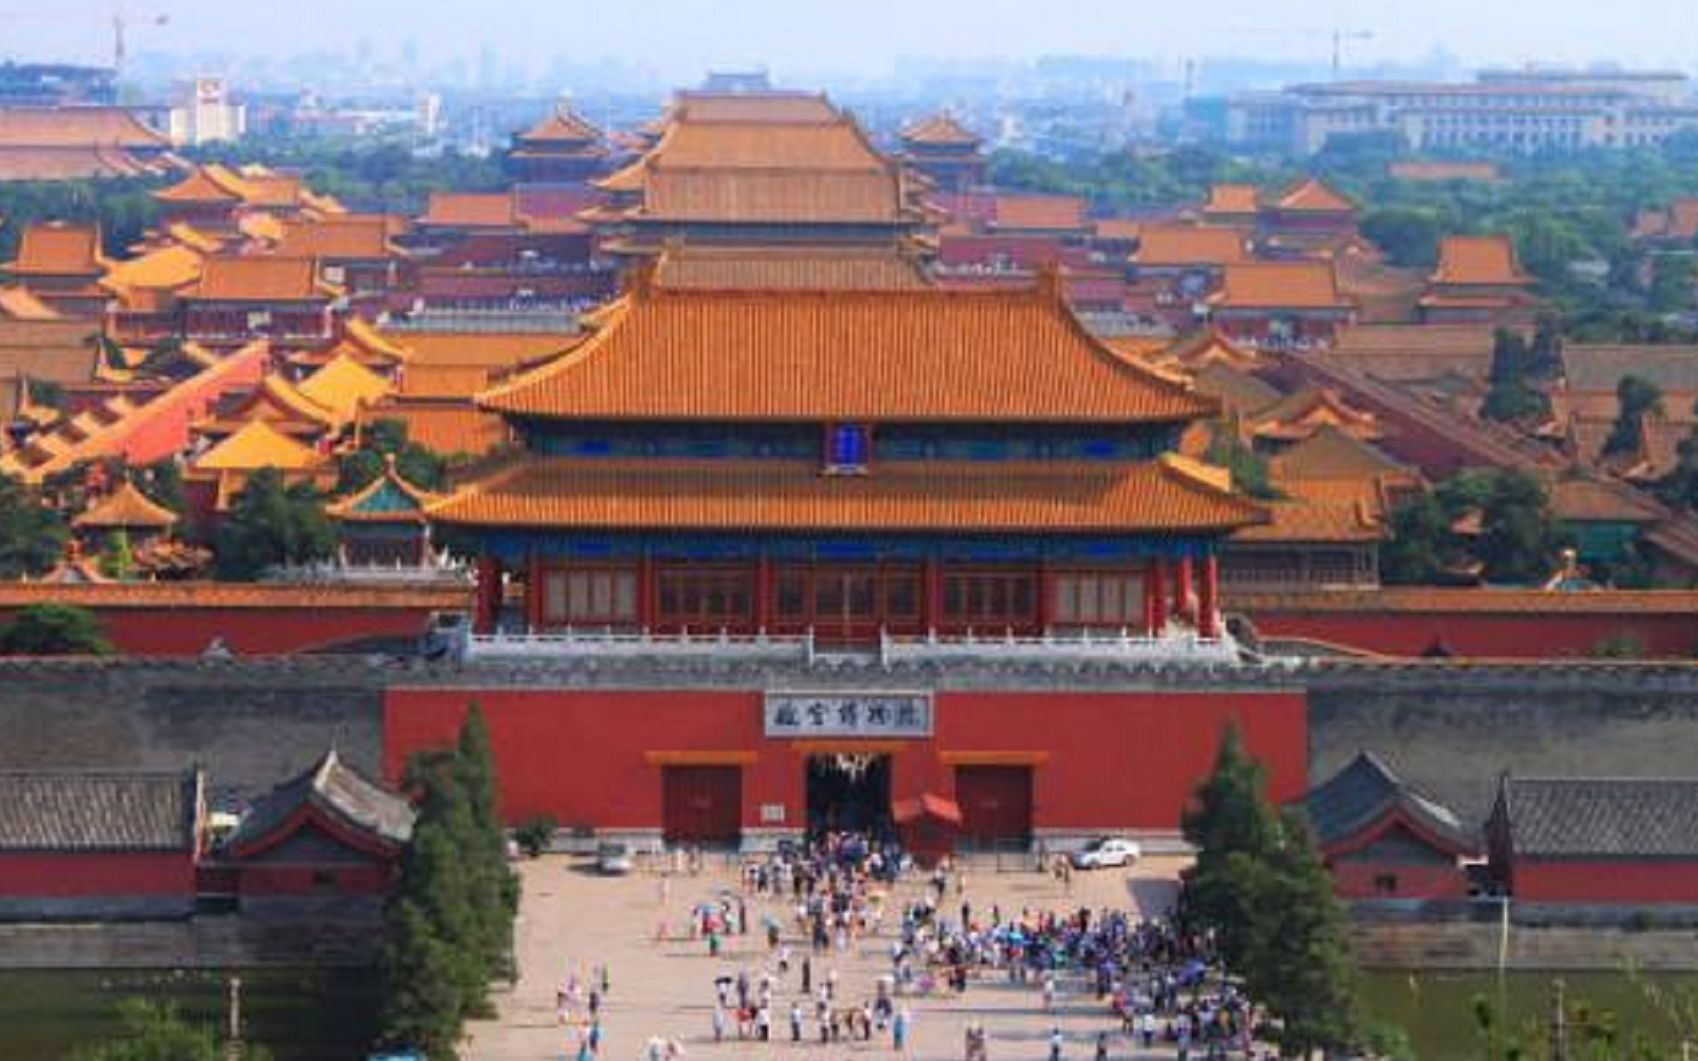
x=774, y=557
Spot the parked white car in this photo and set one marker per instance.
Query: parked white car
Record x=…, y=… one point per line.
x=613, y=859
x=1106, y=851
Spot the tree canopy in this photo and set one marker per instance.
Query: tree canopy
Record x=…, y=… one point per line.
x=1516, y=541
x=387, y=439
x=54, y=630
x=1636, y=398
x=32, y=535
x=272, y=523
x=152, y=1031
x=1260, y=885
x=449, y=929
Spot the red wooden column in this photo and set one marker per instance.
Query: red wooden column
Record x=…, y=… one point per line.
x=763, y=593
x=1046, y=593
x=932, y=572
x=533, y=592
x=488, y=594
x=1184, y=596
x=1155, y=597
x=645, y=590
x=1208, y=603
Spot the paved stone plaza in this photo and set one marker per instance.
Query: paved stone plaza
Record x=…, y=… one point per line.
x=573, y=919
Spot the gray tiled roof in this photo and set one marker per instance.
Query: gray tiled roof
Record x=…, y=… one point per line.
x=336, y=789
x=1366, y=790
x=1607, y=817
x=71, y=811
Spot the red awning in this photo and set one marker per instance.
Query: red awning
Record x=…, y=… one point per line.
x=927, y=805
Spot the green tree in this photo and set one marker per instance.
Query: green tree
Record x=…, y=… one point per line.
x=118, y=559
x=32, y=536
x=1228, y=821
x=384, y=440
x=1249, y=469
x=154, y=1032
x=449, y=929
x=496, y=891
x=1409, y=235
x=1297, y=959
x=422, y=1006
x=54, y=630
x=1672, y=280
x=162, y=482
x=272, y=523
x=1510, y=398
x=1518, y=542
x=1636, y=398
x=1421, y=544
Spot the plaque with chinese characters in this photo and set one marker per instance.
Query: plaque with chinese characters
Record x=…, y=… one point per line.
x=881, y=715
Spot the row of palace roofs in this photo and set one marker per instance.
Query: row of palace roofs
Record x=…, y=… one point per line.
x=260, y=324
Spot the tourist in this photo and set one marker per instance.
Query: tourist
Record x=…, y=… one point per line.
x=900, y=1029
x=1055, y=1041
x=795, y=1022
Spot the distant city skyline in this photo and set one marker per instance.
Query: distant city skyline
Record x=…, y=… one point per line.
x=808, y=41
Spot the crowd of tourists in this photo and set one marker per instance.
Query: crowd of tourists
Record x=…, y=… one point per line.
x=802, y=912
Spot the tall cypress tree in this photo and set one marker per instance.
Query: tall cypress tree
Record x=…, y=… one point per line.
x=1296, y=959
x=495, y=888
x=450, y=927
x=1229, y=821
x=422, y=996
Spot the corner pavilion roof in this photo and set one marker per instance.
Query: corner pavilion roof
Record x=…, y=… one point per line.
x=872, y=355
x=126, y=506
x=1312, y=196
x=1172, y=494
x=388, y=499
x=563, y=125
x=941, y=130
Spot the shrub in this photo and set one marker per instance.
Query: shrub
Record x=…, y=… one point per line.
x=533, y=835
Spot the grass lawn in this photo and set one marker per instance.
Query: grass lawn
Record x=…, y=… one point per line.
x=301, y=1015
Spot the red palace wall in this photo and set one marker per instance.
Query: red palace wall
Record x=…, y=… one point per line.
x=1505, y=635
x=182, y=632
x=1101, y=760
x=1359, y=880
x=348, y=879
x=97, y=875
x=1624, y=881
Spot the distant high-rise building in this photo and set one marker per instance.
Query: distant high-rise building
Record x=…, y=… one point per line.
x=201, y=112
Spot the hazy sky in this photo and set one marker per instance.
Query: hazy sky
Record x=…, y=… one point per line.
x=797, y=38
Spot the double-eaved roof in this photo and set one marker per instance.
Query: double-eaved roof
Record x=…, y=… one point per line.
x=964, y=497
x=826, y=356
x=777, y=160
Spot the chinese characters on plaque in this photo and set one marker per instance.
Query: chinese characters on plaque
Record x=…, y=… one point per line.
x=848, y=714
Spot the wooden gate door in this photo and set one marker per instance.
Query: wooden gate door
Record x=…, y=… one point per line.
x=703, y=804
x=995, y=802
